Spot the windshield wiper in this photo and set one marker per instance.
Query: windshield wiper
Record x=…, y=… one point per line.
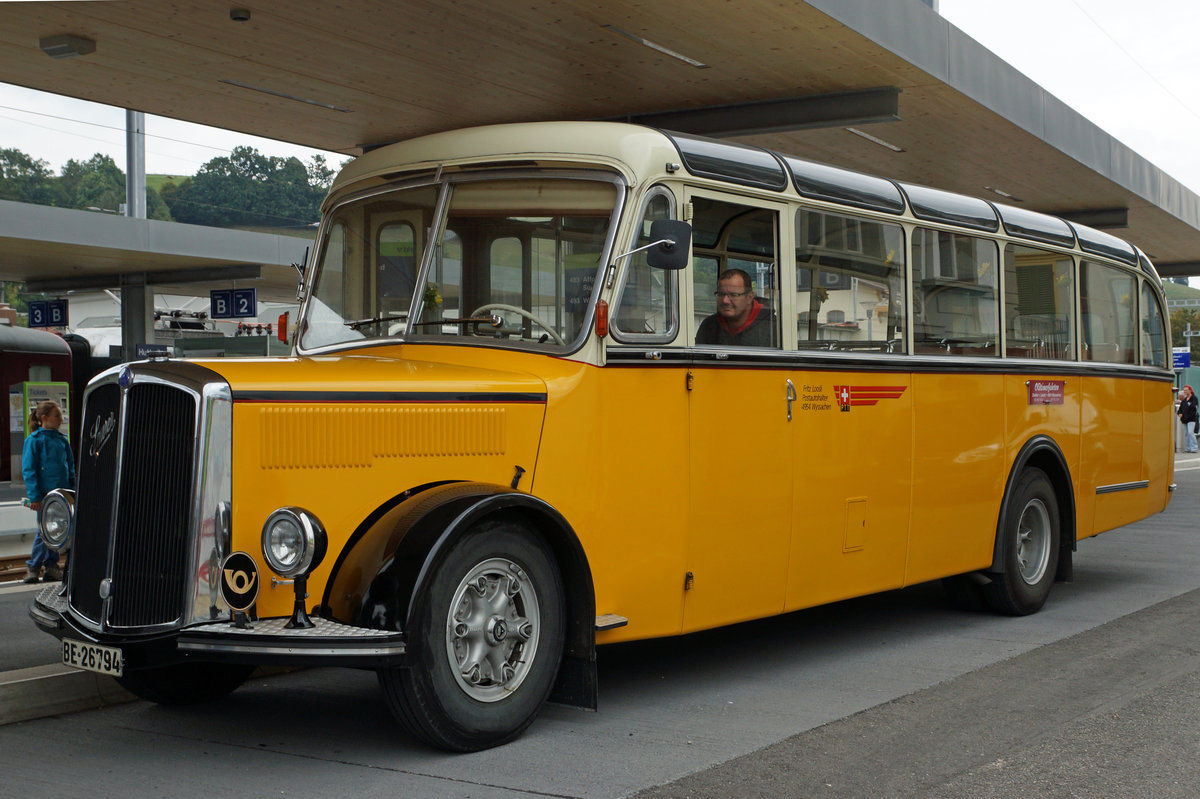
x=494, y=321
x=355, y=324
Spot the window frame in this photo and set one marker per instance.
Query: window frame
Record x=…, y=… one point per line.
x=671, y=277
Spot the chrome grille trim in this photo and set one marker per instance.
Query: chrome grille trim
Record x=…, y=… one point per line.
x=157, y=548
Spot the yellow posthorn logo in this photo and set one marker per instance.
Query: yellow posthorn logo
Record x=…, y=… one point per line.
x=239, y=581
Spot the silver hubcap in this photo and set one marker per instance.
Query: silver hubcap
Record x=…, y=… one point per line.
x=1033, y=542
x=491, y=629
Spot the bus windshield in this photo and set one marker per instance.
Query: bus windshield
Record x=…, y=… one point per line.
x=502, y=260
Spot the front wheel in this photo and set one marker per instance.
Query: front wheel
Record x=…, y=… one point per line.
x=484, y=643
x=1029, y=545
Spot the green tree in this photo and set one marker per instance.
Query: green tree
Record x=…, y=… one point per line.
x=13, y=292
x=27, y=180
x=1180, y=319
x=247, y=188
x=155, y=207
x=95, y=183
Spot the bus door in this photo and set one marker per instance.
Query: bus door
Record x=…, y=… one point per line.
x=397, y=238
x=853, y=427
x=741, y=473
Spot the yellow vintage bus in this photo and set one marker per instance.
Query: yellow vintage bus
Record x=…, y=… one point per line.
x=559, y=385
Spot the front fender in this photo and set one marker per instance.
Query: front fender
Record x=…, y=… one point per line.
x=394, y=553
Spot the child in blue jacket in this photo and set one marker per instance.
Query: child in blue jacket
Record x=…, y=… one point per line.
x=46, y=463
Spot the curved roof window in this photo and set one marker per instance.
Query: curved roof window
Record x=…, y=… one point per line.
x=824, y=182
x=1032, y=225
x=1100, y=243
x=736, y=163
x=935, y=205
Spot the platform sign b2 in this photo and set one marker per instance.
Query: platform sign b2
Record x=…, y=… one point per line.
x=48, y=313
x=233, y=303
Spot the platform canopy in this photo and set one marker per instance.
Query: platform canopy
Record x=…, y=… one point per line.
x=889, y=88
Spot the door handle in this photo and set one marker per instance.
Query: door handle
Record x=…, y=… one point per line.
x=791, y=397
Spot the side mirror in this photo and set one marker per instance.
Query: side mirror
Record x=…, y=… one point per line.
x=671, y=241
x=300, y=267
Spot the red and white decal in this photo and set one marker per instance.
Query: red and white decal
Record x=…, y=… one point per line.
x=865, y=395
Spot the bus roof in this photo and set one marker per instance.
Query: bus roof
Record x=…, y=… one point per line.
x=639, y=151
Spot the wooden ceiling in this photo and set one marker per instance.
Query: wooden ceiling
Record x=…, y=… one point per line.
x=345, y=75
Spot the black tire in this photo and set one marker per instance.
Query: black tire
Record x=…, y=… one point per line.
x=477, y=675
x=1029, y=545
x=185, y=683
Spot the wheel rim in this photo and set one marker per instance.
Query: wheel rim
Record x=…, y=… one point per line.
x=1033, y=542
x=492, y=629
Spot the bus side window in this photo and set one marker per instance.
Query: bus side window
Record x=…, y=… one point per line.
x=1108, y=298
x=1154, y=336
x=955, y=297
x=1039, y=304
x=849, y=283
x=647, y=308
x=737, y=241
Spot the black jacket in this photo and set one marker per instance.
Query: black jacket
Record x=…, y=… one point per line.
x=760, y=333
x=1187, y=410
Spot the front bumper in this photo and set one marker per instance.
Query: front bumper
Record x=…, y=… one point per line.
x=266, y=642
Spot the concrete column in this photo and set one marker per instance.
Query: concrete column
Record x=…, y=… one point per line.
x=137, y=314
x=135, y=164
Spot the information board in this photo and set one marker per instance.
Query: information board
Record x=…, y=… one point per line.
x=48, y=313
x=233, y=303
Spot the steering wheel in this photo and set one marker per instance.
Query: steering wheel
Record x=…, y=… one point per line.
x=496, y=306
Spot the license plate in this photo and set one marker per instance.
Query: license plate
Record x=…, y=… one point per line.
x=93, y=657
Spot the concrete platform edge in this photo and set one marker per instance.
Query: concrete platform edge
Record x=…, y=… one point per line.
x=53, y=690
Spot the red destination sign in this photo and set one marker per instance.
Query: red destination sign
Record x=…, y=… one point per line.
x=1046, y=392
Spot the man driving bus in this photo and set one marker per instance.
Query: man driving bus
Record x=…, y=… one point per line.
x=741, y=320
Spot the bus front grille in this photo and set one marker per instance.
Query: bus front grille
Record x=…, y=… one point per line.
x=142, y=549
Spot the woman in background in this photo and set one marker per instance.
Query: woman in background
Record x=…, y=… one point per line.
x=46, y=463
x=1188, y=416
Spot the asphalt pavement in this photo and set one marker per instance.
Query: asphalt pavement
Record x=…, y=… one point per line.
x=1112, y=712
x=1108, y=710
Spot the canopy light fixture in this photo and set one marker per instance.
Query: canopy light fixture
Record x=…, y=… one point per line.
x=876, y=140
x=655, y=46
x=1014, y=198
x=66, y=45
x=284, y=95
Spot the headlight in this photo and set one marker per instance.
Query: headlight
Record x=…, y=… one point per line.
x=56, y=519
x=293, y=542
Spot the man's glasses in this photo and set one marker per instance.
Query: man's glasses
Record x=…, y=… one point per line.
x=720, y=295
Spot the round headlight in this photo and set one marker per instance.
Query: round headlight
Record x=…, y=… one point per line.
x=293, y=542
x=55, y=519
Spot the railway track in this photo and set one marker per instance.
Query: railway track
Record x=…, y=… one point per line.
x=12, y=568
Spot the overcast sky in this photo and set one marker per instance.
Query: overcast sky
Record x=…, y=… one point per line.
x=1130, y=67
x=57, y=129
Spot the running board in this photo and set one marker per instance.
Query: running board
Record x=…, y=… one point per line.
x=610, y=621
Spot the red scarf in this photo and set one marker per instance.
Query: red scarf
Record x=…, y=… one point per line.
x=754, y=310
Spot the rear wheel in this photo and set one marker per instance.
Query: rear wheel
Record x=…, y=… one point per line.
x=1029, y=545
x=185, y=683
x=484, y=643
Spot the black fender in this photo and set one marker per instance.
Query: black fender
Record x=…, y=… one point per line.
x=1044, y=453
x=397, y=550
